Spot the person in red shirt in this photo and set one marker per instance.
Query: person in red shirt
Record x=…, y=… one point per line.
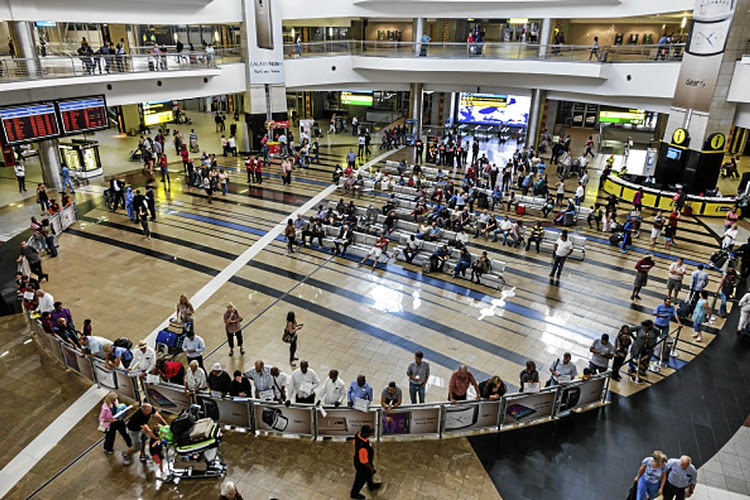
x=381, y=245
x=250, y=169
x=363, y=465
x=163, y=168
x=459, y=383
x=54, y=207
x=258, y=172
x=185, y=155
x=172, y=371
x=642, y=267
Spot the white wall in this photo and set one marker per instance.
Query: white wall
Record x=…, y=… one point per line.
x=739, y=89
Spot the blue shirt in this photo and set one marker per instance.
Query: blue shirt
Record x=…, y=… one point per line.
x=65, y=172
x=664, y=314
x=652, y=474
x=355, y=391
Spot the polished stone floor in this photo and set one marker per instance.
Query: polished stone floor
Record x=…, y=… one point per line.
x=356, y=320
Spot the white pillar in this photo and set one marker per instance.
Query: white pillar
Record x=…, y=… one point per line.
x=49, y=157
x=415, y=96
x=544, y=37
x=418, y=32
x=23, y=39
x=535, y=116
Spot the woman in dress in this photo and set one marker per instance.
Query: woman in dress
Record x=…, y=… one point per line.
x=291, y=329
x=700, y=314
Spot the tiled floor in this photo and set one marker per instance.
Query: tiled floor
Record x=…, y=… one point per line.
x=363, y=321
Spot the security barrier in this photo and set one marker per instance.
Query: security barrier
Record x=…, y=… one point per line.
x=430, y=419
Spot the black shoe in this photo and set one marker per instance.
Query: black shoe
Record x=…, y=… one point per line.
x=358, y=495
x=375, y=486
x=109, y=452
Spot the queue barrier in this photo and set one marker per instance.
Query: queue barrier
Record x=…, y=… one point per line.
x=429, y=419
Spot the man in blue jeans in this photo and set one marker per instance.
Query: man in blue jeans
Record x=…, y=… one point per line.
x=663, y=314
x=418, y=373
x=66, y=182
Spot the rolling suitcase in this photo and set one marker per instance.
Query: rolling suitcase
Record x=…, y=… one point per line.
x=616, y=239
x=520, y=209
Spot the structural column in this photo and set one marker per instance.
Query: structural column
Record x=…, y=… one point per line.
x=418, y=32
x=49, y=156
x=23, y=40
x=544, y=36
x=415, y=105
x=535, y=116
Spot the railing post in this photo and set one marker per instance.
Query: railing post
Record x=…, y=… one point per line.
x=643, y=50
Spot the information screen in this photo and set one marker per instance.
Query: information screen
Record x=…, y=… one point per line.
x=357, y=98
x=157, y=112
x=31, y=122
x=632, y=116
x=79, y=116
x=493, y=109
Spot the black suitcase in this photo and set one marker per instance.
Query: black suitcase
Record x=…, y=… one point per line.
x=151, y=66
x=719, y=258
x=616, y=239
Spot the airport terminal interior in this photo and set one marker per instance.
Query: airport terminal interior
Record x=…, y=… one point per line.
x=272, y=249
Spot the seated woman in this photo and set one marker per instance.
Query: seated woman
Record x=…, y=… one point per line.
x=480, y=266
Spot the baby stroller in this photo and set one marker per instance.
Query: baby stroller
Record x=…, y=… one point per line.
x=193, y=452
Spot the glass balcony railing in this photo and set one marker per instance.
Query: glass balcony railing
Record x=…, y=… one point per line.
x=65, y=66
x=490, y=50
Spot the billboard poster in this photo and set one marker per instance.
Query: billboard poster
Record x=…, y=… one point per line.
x=84, y=363
x=493, y=109
x=168, y=397
x=56, y=349
x=343, y=421
x=125, y=385
x=413, y=421
x=580, y=394
x=264, y=42
x=227, y=411
x=279, y=418
x=462, y=416
x=526, y=408
x=105, y=378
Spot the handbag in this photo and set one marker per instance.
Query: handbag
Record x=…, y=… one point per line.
x=632, y=493
x=287, y=337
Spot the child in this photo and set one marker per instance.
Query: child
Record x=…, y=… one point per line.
x=87, y=329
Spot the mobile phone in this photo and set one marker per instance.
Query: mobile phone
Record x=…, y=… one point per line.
x=263, y=24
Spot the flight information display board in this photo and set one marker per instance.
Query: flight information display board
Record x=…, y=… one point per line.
x=158, y=112
x=86, y=114
x=29, y=122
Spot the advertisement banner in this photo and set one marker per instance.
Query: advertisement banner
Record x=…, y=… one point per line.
x=227, y=411
x=463, y=416
x=526, y=408
x=264, y=42
x=86, y=368
x=580, y=394
x=70, y=357
x=56, y=348
x=414, y=421
x=343, y=421
x=105, y=378
x=279, y=418
x=125, y=385
x=696, y=82
x=168, y=397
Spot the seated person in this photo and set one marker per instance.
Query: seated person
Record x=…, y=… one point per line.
x=504, y=229
x=171, y=371
x=515, y=235
x=536, y=236
x=313, y=230
x=497, y=196
x=491, y=227
x=390, y=222
x=492, y=389
x=390, y=204
x=380, y=247
x=65, y=200
x=549, y=206
x=423, y=229
x=411, y=248
x=434, y=233
x=480, y=266
x=464, y=219
x=464, y=262
x=240, y=386
x=343, y=240
x=441, y=254
x=462, y=238
x=53, y=208
x=482, y=221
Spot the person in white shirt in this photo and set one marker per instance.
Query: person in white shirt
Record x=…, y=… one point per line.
x=677, y=272
x=144, y=359
x=280, y=385
x=580, y=194
x=564, y=371
x=730, y=235
x=482, y=221
x=46, y=302
x=333, y=391
x=304, y=383
x=462, y=237
x=20, y=171
x=94, y=346
x=195, y=378
x=194, y=346
x=563, y=248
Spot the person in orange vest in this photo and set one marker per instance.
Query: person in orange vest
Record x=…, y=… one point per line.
x=365, y=470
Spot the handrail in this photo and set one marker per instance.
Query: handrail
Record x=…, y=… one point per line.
x=490, y=50
x=20, y=69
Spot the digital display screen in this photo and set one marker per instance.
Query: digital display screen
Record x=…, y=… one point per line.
x=79, y=116
x=632, y=116
x=674, y=153
x=157, y=112
x=361, y=98
x=31, y=122
x=493, y=109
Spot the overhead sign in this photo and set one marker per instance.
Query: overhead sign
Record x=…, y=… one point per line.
x=633, y=116
x=357, y=98
x=276, y=124
x=715, y=142
x=79, y=116
x=264, y=41
x=157, y=112
x=31, y=122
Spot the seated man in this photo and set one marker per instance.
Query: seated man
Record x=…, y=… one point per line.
x=439, y=257
x=497, y=196
x=314, y=230
x=390, y=222
x=504, y=229
x=482, y=221
x=381, y=245
x=490, y=227
x=412, y=247
x=537, y=233
x=464, y=219
x=434, y=233
x=424, y=228
x=343, y=240
x=515, y=234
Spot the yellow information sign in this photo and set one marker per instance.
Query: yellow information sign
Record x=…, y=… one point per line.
x=716, y=142
x=680, y=137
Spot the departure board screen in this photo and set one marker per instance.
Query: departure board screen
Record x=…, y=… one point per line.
x=30, y=122
x=78, y=116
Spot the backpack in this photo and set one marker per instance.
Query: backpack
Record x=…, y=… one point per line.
x=123, y=342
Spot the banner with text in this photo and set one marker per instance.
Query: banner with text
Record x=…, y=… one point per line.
x=414, y=421
x=279, y=418
x=479, y=415
x=343, y=421
x=265, y=43
x=234, y=412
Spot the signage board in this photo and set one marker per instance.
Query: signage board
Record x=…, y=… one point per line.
x=475, y=415
x=525, y=408
x=157, y=112
x=413, y=421
x=80, y=116
x=493, y=109
x=29, y=122
x=633, y=116
x=579, y=394
x=343, y=421
x=278, y=418
x=355, y=98
x=264, y=41
x=168, y=397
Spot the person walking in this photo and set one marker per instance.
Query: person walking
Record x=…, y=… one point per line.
x=233, y=326
x=143, y=218
x=701, y=313
x=66, y=179
x=562, y=249
x=681, y=479
x=291, y=234
x=110, y=408
x=363, y=463
x=42, y=198
x=594, y=49
x=291, y=335
x=20, y=171
x=34, y=260
x=642, y=267
x=651, y=476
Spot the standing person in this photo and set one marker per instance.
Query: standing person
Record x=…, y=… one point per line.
x=117, y=189
x=730, y=236
x=562, y=249
x=622, y=346
x=681, y=476
x=594, y=51
x=726, y=289
x=663, y=314
x=20, y=171
x=291, y=334
x=363, y=463
x=698, y=281
x=185, y=312
x=138, y=429
x=419, y=374
x=642, y=267
x=206, y=184
x=291, y=234
x=659, y=222
x=304, y=383
x=563, y=372
x=677, y=272
x=42, y=198
x=744, y=305
x=458, y=386
x=129, y=199
x=143, y=218
x=223, y=182
x=233, y=326
x=644, y=340
x=34, y=259
x=194, y=346
x=112, y=425
x=601, y=352
x=651, y=476
x=163, y=164
x=700, y=314
x=66, y=179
